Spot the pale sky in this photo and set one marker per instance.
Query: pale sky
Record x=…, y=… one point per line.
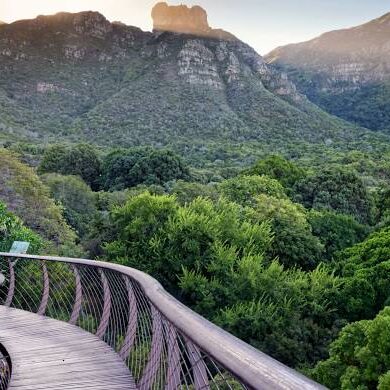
x=264, y=24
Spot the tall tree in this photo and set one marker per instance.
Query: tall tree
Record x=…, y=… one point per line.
x=360, y=357
x=337, y=189
x=79, y=160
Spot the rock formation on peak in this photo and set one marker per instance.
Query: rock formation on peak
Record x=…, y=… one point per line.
x=185, y=20
x=181, y=19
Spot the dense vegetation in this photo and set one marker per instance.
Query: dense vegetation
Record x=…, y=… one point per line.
x=359, y=358
x=12, y=229
x=24, y=194
x=290, y=256
x=366, y=106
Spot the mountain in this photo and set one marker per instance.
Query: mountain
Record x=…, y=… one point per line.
x=79, y=77
x=346, y=72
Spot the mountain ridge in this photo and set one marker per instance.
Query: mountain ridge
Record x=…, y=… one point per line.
x=79, y=76
x=346, y=72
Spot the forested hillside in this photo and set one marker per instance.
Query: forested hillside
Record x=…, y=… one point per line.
x=79, y=77
x=346, y=72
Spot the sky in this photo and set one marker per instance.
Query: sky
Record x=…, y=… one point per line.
x=264, y=24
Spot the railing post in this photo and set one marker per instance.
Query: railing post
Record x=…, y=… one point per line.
x=46, y=290
x=106, y=306
x=198, y=367
x=132, y=321
x=11, y=287
x=78, y=297
x=174, y=369
x=153, y=365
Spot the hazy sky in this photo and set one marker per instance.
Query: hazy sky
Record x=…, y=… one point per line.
x=264, y=24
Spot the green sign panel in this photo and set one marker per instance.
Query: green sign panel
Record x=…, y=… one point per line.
x=20, y=247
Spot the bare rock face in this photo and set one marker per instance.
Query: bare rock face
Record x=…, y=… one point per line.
x=184, y=20
x=198, y=66
x=180, y=19
x=93, y=24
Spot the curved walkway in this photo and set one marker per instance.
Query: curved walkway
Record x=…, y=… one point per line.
x=51, y=354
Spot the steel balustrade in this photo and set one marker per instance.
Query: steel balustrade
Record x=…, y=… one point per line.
x=164, y=344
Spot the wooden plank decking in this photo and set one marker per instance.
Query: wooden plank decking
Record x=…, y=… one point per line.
x=50, y=354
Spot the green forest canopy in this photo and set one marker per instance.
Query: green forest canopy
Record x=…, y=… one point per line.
x=286, y=257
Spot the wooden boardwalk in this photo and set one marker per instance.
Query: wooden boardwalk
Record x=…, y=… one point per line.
x=50, y=354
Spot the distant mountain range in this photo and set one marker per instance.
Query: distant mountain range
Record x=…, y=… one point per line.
x=79, y=77
x=345, y=72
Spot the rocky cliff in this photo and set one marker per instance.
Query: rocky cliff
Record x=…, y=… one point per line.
x=346, y=72
x=185, y=20
x=181, y=19
x=80, y=77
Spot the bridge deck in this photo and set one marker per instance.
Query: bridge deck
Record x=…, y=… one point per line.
x=50, y=354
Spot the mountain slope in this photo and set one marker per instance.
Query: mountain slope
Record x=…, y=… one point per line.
x=346, y=72
x=80, y=77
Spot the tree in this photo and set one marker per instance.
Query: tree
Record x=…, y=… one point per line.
x=79, y=160
x=293, y=242
x=383, y=204
x=365, y=268
x=77, y=199
x=130, y=167
x=161, y=237
x=360, y=357
x=336, y=231
x=186, y=192
x=278, y=168
x=159, y=167
x=337, y=189
x=27, y=197
x=244, y=189
x=117, y=166
x=284, y=313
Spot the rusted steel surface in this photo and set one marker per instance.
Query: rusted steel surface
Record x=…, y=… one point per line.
x=164, y=344
x=51, y=354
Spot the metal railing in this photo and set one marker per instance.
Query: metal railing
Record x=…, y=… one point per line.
x=164, y=344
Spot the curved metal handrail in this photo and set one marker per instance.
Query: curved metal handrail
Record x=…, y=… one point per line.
x=184, y=349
